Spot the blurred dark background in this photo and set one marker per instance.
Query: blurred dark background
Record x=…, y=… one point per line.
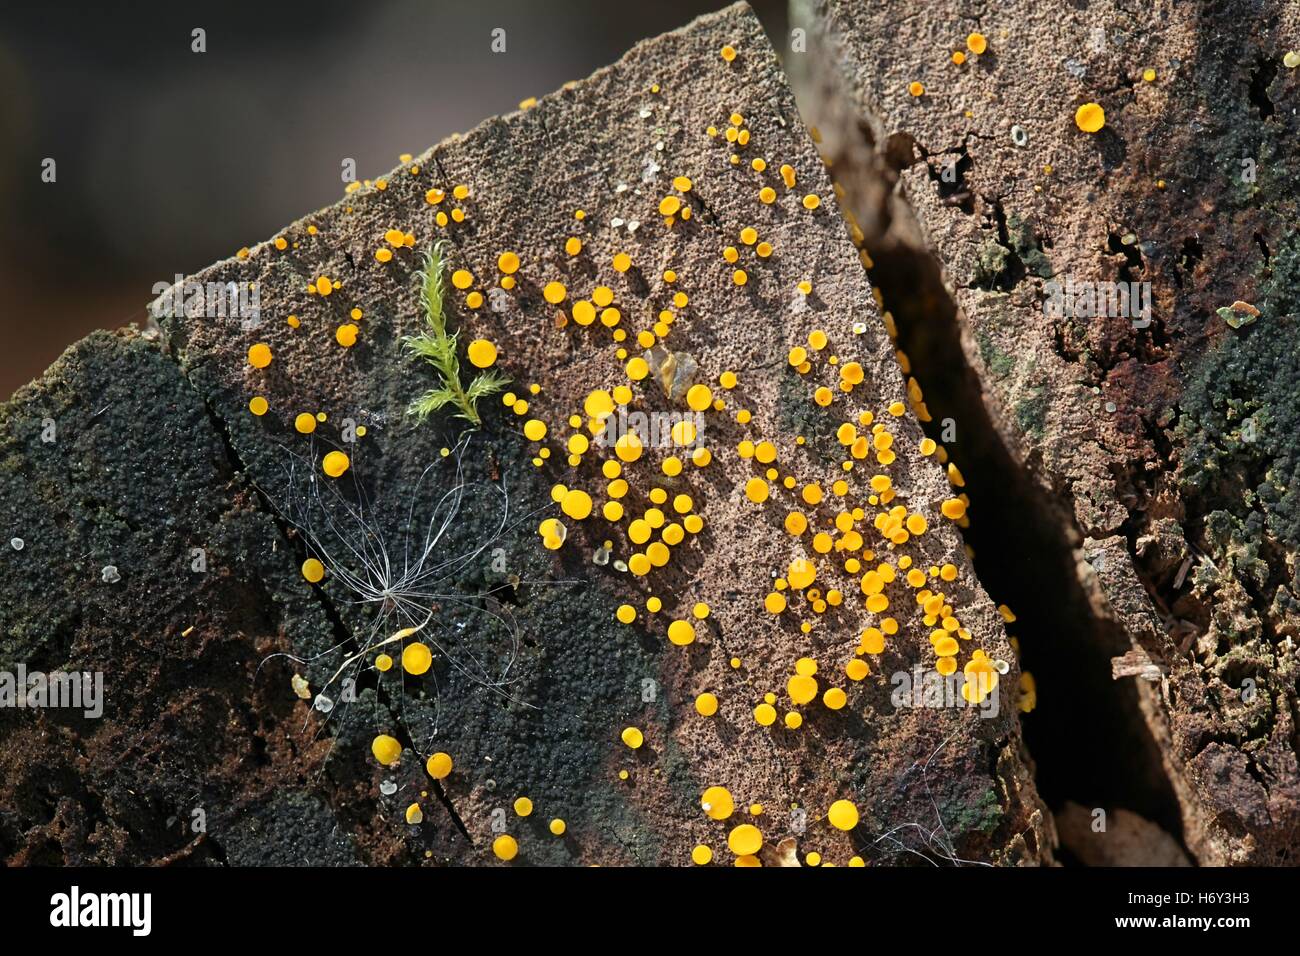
x=167, y=159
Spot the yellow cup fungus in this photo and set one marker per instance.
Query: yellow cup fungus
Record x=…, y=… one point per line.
x=717, y=803
x=386, y=749
x=438, y=766
x=259, y=355
x=681, y=633
x=1090, y=117
x=745, y=840
x=335, y=464
x=843, y=815
x=482, y=353
x=416, y=658
x=505, y=847
x=576, y=504
x=801, y=688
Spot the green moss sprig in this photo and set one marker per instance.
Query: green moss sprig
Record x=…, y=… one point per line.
x=438, y=346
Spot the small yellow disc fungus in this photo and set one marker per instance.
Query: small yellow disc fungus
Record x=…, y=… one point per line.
x=843, y=815
x=633, y=737
x=383, y=663
x=765, y=714
x=681, y=633
x=534, y=429
x=335, y=464
x=953, y=508
x=482, y=353
x=946, y=647
x=745, y=840
x=416, y=658
x=305, y=423
x=774, y=603
x=554, y=293
x=1090, y=117
x=834, y=698
x=801, y=688
x=626, y=613
x=706, y=705
x=699, y=397
x=756, y=490
x=259, y=356
x=505, y=847
x=717, y=803
x=684, y=432
x=637, y=368
x=628, y=448
x=258, y=405
x=701, y=855
x=558, y=827
x=462, y=278
x=386, y=749
x=524, y=807
x=576, y=504
x=977, y=43
x=801, y=573
x=346, y=334
x=438, y=766
x=313, y=570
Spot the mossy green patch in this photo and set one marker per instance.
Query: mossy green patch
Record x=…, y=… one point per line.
x=1240, y=413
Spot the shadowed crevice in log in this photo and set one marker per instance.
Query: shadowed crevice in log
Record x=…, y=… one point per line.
x=1088, y=740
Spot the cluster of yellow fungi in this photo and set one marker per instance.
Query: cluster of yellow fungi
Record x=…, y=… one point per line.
x=850, y=530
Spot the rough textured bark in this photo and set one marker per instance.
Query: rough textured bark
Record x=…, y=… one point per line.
x=158, y=453
x=1165, y=449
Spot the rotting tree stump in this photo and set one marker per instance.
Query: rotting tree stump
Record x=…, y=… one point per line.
x=210, y=751
x=1159, y=449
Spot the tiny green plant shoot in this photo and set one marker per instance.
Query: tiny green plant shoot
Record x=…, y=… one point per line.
x=438, y=346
